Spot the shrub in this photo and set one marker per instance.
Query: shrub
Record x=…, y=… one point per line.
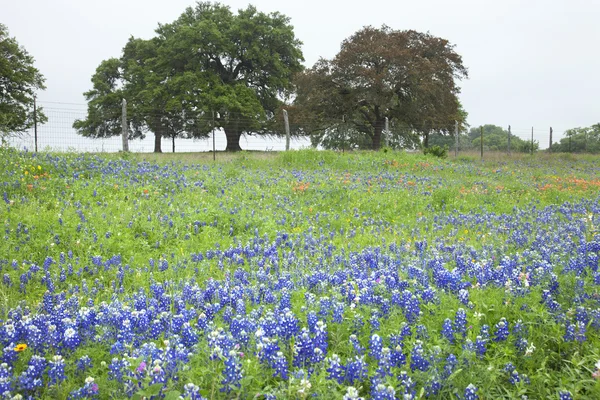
x=437, y=151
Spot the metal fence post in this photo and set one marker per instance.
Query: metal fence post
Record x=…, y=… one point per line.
x=35, y=122
x=124, y=126
x=286, y=122
x=456, y=139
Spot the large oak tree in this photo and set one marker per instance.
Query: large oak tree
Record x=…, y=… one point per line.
x=19, y=81
x=208, y=69
x=408, y=77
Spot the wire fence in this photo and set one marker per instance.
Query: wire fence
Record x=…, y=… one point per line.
x=58, y=135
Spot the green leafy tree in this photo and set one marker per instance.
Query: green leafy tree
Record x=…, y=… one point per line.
x=580, y=140
x=19, y=80
x=407, y=77
x=495, y=138
x=209, y=69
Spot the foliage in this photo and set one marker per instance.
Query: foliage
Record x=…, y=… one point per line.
x=297, y=275
x=208, y=69
x=495, y=138
x=580, y=140
x=407, y=77
x=19, y=81
x=436, y=151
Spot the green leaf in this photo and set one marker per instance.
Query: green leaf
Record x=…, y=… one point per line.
x=172, y=395
x=152, y=390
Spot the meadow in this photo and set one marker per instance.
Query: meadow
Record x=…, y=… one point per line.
x=304, y=274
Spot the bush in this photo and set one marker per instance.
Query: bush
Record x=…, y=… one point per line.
x=438, y=151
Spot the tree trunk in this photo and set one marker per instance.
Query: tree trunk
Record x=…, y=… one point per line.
x=233, y=139
x=173, y=144
x=426, y=140
x=377, y=133
x=157, y=140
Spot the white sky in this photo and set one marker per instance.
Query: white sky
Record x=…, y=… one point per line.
x=531, y=62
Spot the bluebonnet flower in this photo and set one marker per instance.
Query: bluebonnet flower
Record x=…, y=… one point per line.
x=463, y=296
x=71, y=339
x=422, y=333
x=117, y=369
x=451, y=363
x=88, y=391
x=471, y=393
x=407, y=386
x=502, y=331
x=288, y=325
x=356, y=370
x=382, y=392
x=447, y=330
x=321, y=337
x=117, y=348
x=410, y=306
x=397, y=356
x=460, y=322
x=336, y=369
x=6, y=385
x=189, y=337
x=565, y=395
x=202, y=322
x=9, y=355
x=519, y=333
x=384, y=366
x=191, y=392
x=569, y=335
x=31, y=378
x=375, y=346
x=374, y=322
x=157, y=373
x=338, y=312
x=357, y=346
x=311, y=320
x=418, y=361
x=433, y=385
x=285, y=302
x=303, y=349
x=280, y=365
x=325, y=307
x=405, y=330
x=56, y=372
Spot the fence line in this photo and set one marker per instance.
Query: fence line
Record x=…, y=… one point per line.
x=58, y=134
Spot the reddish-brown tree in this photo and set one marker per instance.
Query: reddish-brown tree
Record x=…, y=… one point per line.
x=406, y=76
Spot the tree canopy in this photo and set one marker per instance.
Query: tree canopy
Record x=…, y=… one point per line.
x=407, y=77
x=579, y=140
x=495, y=138
x=209, y=62
x=19, y=81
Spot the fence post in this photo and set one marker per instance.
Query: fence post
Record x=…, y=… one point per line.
x=387, y=131
x=213, y=135
x=286, y=122
x=481, y=131
x=532, y=140
x=550, y=148
x=509, y=140
x=569, y=143
x=124, y=126
x=455, y=139
x=35, y=122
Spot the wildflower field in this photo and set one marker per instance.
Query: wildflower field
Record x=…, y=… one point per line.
x=299, y=275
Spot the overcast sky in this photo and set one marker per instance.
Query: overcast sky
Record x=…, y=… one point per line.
x=531, y=62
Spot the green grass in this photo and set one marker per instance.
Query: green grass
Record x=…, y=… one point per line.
x=150, y=208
